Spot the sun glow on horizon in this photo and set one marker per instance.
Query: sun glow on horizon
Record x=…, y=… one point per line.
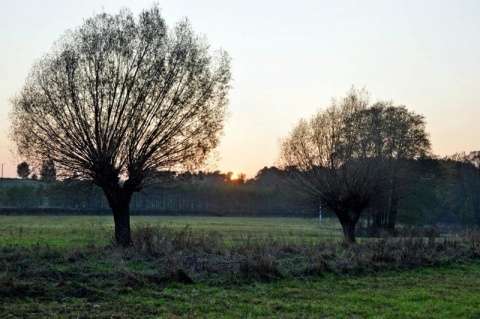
x=234, y=176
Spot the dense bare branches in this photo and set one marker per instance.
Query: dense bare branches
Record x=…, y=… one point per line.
x=126, y=94
x=121, y=98
x=388, y=131
x=344, y=156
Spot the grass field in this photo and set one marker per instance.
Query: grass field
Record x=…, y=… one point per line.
x=446, y=292
x=81, y=230
x=62, y=267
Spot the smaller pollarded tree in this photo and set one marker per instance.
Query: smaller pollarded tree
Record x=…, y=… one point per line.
x=321, y=166
x=342, y=157
x=23, y=170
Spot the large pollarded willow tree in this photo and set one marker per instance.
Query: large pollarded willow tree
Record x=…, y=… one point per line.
x=119, y=99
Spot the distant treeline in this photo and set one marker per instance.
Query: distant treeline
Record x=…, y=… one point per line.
x=200, y=193
x=434, y=191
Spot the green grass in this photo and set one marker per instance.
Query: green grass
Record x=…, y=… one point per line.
x=446, y=292
x=81, y=230
x=54, y=230
x=59, y=267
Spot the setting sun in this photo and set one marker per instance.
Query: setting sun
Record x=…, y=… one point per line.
x=234, y=177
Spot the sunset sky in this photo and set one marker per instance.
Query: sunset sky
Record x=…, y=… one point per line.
x=289, y=58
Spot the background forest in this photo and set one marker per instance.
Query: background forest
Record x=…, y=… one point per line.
x=440, y=192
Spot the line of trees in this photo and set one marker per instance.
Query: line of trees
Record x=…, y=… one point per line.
x=440, y=192
x=47, y=171
x=182, y=194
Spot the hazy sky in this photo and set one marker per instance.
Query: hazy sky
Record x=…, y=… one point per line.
x=289, y=59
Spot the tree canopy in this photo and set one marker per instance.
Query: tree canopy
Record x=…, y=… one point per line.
x=118, y=100
x=23, y=170
x=341, y=157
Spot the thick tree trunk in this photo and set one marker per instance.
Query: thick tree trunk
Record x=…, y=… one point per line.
x=348, y=220
x=121, y=216
x=349, y=232
x=119, y=201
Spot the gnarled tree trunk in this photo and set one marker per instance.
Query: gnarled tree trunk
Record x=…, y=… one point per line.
x=348, y=220
x=119, y=201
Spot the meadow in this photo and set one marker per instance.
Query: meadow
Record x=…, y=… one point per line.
x=212, y=267
x=80, y=230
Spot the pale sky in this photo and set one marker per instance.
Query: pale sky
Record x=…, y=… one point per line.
x=289, y=58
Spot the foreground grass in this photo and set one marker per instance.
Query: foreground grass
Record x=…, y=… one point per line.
x=446, y=292
x=64, y=267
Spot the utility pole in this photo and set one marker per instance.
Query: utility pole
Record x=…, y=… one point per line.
x=2, y=168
